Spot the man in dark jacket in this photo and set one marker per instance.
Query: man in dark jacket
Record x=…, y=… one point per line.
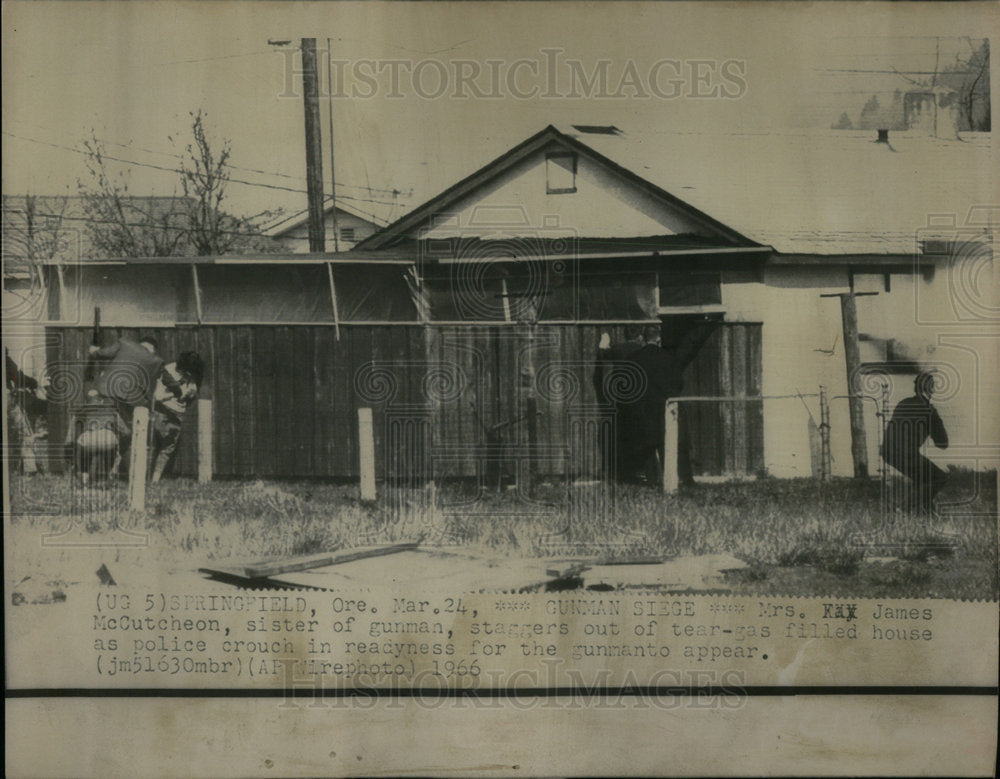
x=664, y=379
x=128, y=378
x=663, y=367
x=131, y=371
x=640, y=418
x=612, y=358
x=914, y=420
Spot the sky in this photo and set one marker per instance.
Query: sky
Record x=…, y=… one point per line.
x=130, y=74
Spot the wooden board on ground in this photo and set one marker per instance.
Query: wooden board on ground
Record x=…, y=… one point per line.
x=456, y=571
x=269, y=568
x=428, y=570
x=703, y=572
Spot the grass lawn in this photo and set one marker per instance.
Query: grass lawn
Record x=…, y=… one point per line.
x=799, y=537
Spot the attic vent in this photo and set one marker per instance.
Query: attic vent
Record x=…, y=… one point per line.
x=597, y=129
x=560, y=173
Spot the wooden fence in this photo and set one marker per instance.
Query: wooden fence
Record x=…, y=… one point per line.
x=285, y=398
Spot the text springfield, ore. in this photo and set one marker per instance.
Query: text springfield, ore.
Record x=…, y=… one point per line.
x=467, y=639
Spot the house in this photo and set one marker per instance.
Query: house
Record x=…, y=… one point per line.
x=757, y=227
x=470, y=325
x=347, y=223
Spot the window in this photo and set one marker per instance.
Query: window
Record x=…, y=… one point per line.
x=593, y=296
x=347, y=233
x=689, y=289
x=560, y=173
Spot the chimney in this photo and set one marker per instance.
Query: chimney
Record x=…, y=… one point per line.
x=883, y=136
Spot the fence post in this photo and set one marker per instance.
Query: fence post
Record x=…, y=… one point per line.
x=204, y=440
x=366, y=451
x=883, y=467
x=138, y=459
x=670, y=441
x=824, y=434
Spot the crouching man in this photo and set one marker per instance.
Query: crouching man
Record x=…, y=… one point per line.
x=913, y=421
x=126, y=381
x=176, y=389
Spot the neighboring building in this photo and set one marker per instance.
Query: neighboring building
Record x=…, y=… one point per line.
x=497, y=291
x=348, y=224
x=55, y=226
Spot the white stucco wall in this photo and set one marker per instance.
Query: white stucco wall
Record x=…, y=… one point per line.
x=950, y=325
x=604, y=205
x=297, y=239
x=799, y=355
x=802, y=348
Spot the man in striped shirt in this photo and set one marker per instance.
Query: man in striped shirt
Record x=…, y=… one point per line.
x=170, y=405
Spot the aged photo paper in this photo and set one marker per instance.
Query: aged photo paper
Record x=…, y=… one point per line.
x=500, y=388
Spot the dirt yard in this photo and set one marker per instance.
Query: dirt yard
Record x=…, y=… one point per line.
x=797, y=537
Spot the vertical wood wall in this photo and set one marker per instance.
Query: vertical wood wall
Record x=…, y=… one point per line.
x=285, y=398
x=726, y=438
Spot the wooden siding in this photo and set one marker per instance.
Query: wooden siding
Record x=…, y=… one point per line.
x=726, y=438
x=285, y=398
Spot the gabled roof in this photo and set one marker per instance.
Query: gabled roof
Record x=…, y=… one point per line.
x=831, y=192
x=284, y=224
x=826, y=193
x=406, y=227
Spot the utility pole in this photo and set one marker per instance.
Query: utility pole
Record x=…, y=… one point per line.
x=852, y=358
x=314, y=146
x=333, y=173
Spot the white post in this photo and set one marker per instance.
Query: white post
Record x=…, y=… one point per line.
x=139, y=456
x=204, y=440
x=333, y=290
x=197, y=292
x=366, y=451
x=670, y=441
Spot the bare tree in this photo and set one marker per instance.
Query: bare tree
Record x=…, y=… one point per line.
x=34, y=232
x=971, y=79
x=121, y=224
x=204, y=178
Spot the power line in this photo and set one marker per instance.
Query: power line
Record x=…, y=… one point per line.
x=892, y=71
x=178, y=170
x=275, y=173
x=150, y=225
x=384, y=190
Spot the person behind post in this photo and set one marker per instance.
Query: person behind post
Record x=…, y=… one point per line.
x=913, y=421
x=169, y=407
